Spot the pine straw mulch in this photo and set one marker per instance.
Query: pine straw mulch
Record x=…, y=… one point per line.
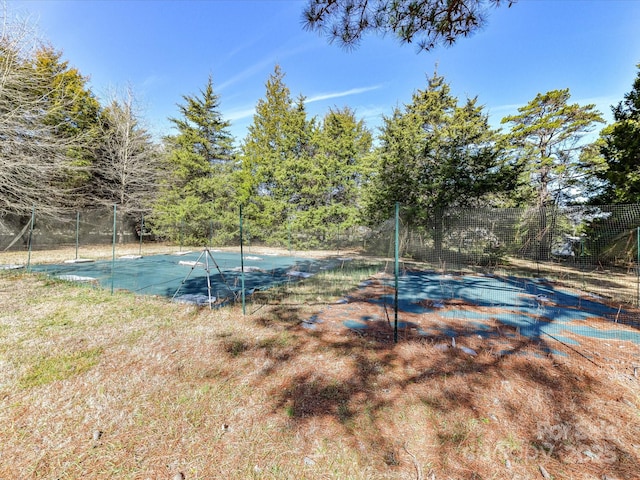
x=213, y=394
x=502, y=405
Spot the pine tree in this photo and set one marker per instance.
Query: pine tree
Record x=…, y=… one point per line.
x=196, y=201
x=426, y=23
x=277, y=162
x=554, y=161
x=435, y=155
x=547, y=136
x=621, y=150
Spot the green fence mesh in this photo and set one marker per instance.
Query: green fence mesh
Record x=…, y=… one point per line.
x=565, y=273
x=592, y=248
x=83, y=229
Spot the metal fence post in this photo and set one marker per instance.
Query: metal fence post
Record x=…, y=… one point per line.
x=244, y=310
x=77, y=232
x=396, y=272
x=113, y=246
x=141, y=232
x=33, y=219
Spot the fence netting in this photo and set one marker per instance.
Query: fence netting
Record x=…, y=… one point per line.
x=83, y=229
x=592, y=248
x=589, y=247
x=562, y=276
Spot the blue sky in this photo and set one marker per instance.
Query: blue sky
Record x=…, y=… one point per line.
x=164, y=49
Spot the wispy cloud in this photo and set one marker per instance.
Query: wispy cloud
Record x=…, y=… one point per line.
x=239, y=114
x=258, y=67
x=509, y=108
x=345, y=93
x=372, y=113
x=152, y=80
x=602, y=103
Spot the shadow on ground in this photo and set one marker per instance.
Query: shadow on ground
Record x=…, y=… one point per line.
x=492, y=398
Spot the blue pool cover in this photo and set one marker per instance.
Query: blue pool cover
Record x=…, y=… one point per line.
x=186, y=273
x=535, y=307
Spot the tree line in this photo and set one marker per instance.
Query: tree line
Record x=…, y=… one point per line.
x=62, y=150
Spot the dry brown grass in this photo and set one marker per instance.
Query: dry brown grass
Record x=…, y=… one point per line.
x=616, y=283
x=100, y=386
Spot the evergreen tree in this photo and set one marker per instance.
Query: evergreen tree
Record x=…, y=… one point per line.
x=547, y=137
x=196, y=201
x=299, y=175
x=340, y=170
x=344, y=147
x=621, y=150
x=435, y=155
x=73, y=112
x=277, y=162
x=555, y=164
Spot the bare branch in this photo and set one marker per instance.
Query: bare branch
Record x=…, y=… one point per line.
x=33, y=160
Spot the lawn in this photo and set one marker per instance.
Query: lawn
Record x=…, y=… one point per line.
x=94, y=385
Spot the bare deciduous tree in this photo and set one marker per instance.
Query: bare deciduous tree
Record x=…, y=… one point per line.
x=127, y=161
x=33, y=159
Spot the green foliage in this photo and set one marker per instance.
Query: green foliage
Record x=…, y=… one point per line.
x=343, y=155
x=426, y=23
x=300, y=179
x=331, y=196
x=555, y=165
x=435, y=155
x=621, y=150
x=197, y=197
x=554, y=162
x=72, y=111
x=619, y=144
x=73, y=107
x=275, y=160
